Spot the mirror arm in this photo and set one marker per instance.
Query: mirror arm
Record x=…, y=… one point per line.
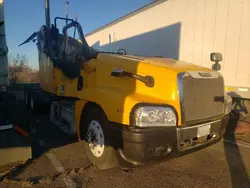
x=147, y=80
x=61, y=18
x=85, y=45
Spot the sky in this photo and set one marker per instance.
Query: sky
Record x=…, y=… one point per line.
x=23, y=17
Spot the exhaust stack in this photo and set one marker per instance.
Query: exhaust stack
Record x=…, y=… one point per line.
x=47, y=12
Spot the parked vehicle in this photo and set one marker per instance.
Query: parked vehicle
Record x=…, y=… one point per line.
x=14, y=125
x=126, y=109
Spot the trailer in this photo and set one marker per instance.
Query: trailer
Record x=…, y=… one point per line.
x=188, y=31
x=15, y=142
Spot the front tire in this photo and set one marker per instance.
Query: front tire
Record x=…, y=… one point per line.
x=94, y=131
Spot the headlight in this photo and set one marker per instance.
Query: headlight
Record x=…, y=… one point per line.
x=228, y=104
x=150, y=116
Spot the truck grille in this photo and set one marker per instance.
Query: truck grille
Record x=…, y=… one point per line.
x=201, y=96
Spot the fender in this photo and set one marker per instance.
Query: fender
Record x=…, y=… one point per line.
x=79, y=106
x=117, y=103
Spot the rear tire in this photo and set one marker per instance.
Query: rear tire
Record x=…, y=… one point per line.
x=94, y=131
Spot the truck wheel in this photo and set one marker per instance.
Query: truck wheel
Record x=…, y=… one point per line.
x=95, y=138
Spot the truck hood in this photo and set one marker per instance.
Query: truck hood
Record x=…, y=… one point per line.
x=171, y=64
x=161, y=67
x=151, y=66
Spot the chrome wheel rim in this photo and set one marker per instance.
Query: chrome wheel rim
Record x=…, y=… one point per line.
x=95, y=138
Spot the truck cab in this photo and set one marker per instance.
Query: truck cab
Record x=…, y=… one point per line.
x=128, y=109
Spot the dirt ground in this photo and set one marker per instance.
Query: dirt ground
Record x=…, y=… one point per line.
x=59, y=161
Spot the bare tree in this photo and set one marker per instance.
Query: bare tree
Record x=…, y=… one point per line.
x=16, y=66
x=34, y=77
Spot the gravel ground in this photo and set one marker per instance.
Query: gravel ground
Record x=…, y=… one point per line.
x=221, y=165
x=61, y=162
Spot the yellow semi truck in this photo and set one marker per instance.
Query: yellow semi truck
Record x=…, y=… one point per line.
x=126, y=109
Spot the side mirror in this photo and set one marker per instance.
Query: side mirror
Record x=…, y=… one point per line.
x=216, y=58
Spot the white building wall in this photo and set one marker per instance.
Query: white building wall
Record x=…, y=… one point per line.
x=188, y=30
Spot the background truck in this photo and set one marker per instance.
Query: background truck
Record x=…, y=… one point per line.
x=14, y=124
x=4, y=81
x=187, y=30
x=125, y=109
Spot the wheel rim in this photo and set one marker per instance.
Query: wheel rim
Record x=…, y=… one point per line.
x=31, y=103
x=95, y=138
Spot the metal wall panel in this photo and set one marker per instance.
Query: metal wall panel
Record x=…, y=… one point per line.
x=188, y=30
x=243, y=55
